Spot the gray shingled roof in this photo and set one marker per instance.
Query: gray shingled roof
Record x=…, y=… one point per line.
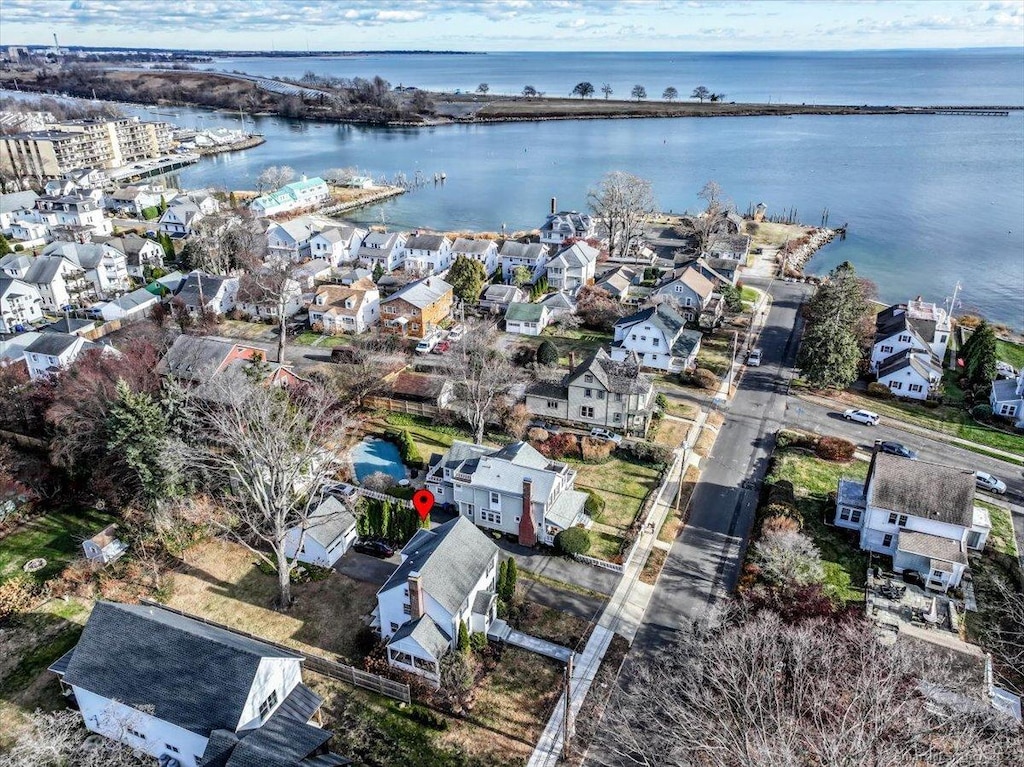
x=896, y=319
x=476, y=247
x=568, y=222
x=618, y=377
x=524, y=250
x=135, y=299
x=422, y=293
x=211, y=285
x=87, y=255
x=44, y=269
x=450, y=558
x=53, y=344
x=1005, y=390
x=426, y=242
x=195, y=357
x=67, y=325
x=566, y=509
x=923, y=489
x=427, y=634
x=17, y=201
x=280, y=742
x=329, y=521
x=576, y=255
x=661, y=316
x=195, y=676
x=931, y=546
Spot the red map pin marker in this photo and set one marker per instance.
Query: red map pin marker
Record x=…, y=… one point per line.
x=423, y=502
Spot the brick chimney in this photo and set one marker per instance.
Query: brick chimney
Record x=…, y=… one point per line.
x=554, y=205
x=527, y=525
x=415, y=595
x=572, y=360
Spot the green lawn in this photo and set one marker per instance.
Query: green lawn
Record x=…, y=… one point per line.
x=749, y=295
x=1002, y=538
x=580, y=342
x=604, y=546
x=621, y=484
x=429, y=437
x=1010, y=352
x=56, y=536
x=813, y=479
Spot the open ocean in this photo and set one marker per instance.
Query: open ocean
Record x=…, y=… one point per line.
x=929, y=199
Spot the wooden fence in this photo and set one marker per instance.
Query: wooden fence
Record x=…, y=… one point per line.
x=329, y=668
x=401, y=406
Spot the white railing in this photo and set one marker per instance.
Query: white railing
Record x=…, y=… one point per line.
x=604, y=565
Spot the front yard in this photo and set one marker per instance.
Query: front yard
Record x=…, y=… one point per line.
x=623, y=486
x=813, y=479
x=1001, y=538
x=578, y=342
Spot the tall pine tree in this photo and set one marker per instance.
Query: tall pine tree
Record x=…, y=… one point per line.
x=136, y=431
x=979, y=356
x=829, y=351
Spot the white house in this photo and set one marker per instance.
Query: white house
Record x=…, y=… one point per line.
x=345, y=308
x=191, y=694
x=1007, y=399
x=131, y=306
x=916, y=325
x=572, y=267
x=331, y=529
x=180, y=218
x=258, y=297
x=29, y=232
x=621, y=283
x=293, y=238
x=497, y=298
x=658, y=336
x=338, y=243
x=139, y=252
x=20, y=304
x=447, y=578
x=104, y=547
x=558, y=304
x=15, y=265
x=919, y=513
x=52, y=352
x=483, y=251
x=105, y=267
x=427, y=254
x=305, y=193
x=514, y=254
x=690, y=291
x=11, y=206
x=214, y=292
x=60, y=282
x=384, y=250
x=526, y=319
x=513, y=490
x=912, y=374
x=73, y=212
x=311, y=273
x=566, y=225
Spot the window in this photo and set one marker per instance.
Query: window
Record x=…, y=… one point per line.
x=552, y=404
x=618, y=398
x=401, y=657
x=600, y=395
x=689, y=301
x=904, y=339
x=657, y=341
x=887, y=541
x=586, y=411
x=915, y=387
x=588, y=378
x=174, y=749
x=892, y=518
x=495, y=499
x=468, y=509
x=407, y=608
x=886, y=349
x=268, y=705
x=617, y=418
x=895, y=385
x=136, y=733
x=425, y=665
x=902, y=521
x=633, y=337
x=588, y=392
x=942, y=338
x=494, y=517
x=394, y=627
x=850, y=515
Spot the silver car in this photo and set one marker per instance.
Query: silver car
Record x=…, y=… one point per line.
x=986, y=481
x=861, y=416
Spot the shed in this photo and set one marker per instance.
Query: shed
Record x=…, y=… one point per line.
x=105, y=546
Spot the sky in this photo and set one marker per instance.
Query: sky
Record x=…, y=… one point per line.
x=516, y=25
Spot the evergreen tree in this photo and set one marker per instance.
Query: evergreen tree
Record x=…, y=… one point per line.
x=829, y=351
x=163, y=205
x=979, y=356
x=5, y=246
x=547, y=353
x=167, y=244
x=233, y=200
x=467, y=278
x=387, y=523
x=463, y=638
x=136, y=431
x=511, y=576
x=378, y=272
x=374, y=516
x=502, y=577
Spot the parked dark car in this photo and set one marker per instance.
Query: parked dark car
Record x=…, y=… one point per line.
x=552, y=428
x=374, y=549
x=895, y=448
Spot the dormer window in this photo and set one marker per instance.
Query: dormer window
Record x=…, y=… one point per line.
x=588, y=378
x=268, y=705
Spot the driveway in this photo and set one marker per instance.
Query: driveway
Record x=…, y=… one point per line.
x=366, y=568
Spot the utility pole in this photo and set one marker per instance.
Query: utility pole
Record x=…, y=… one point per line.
x=567, y=725
x=732, y=364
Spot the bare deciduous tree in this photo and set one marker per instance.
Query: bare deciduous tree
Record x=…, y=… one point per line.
x=788, y=557
x=362, y=371
x=269, y=450
x=482, y=374
x=623, y=202
x=56, y=739
x=274, y=177
x=760, y=693
x=709, y=227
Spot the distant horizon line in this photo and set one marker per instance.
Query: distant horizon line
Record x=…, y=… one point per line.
x=299, y=53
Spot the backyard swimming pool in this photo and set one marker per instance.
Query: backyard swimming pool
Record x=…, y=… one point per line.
x=374, y=454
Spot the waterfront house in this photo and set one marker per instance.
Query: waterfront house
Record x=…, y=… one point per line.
x=532, y=255
x=567, y=225
x=917, y=325
x=131, y=306
x=291, y=239
x=730, y=247
x=912, y=374
x=259, y=296
x=138, y=252
x=190, y=694
x=483, y=251
x=599, y=391
x=447, y=578
x=513, y=490
x=572, y=267
x=418, y=309
x=658, y=336
x=384, y=250
x=689, y=291
x=51, y=353
x=329, y=531
x=298, y=195
x=1007, y=399
x=201, y=292
x=104, y=547
x=20, y=305
x=338, y=243
x=526, y=319
x=427, y=254
x=133, y=200
x=104, y=266
x=60, y=282
x=921, y=514
x=345, y=308
x=497, y=298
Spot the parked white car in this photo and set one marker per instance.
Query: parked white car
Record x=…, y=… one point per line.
x=754, y=358
x=598, y=433
x=427, y=344
x=861, y=416
x=986, y=481
x=456, y=333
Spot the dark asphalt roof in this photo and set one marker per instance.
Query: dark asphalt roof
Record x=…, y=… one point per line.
x=426, y=242
x=923, y=489
x=52, y=344
x=618, y=377
x=194, y=675
x=525, y=250
x=329, y=521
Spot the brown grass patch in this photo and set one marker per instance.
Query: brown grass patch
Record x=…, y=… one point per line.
x=672, y=433
x=670, y=528
x=219, y=581
x=652, y=567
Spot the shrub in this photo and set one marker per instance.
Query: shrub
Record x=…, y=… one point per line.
x=537, y=434
x=780, y=524
x=151, y=213
x=661, y=401
x=981, y=411
x=427, y=717
x=18, y=247
x=644, y=452
x=575, y=540
x=463, y=637
x=789, y=558
x=408, y=450
x=791, y=438
x=835, y=449
x=547, y=353
x=562, y=445
x=18, y=593
x=596, y=450
x=594, y=506
x=704, y=378
x=880, y=391
x=478, y=641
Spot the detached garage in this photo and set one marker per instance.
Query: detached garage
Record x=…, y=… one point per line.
x=329, y=533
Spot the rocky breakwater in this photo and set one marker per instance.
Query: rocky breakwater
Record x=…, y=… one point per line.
x=795, y=253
